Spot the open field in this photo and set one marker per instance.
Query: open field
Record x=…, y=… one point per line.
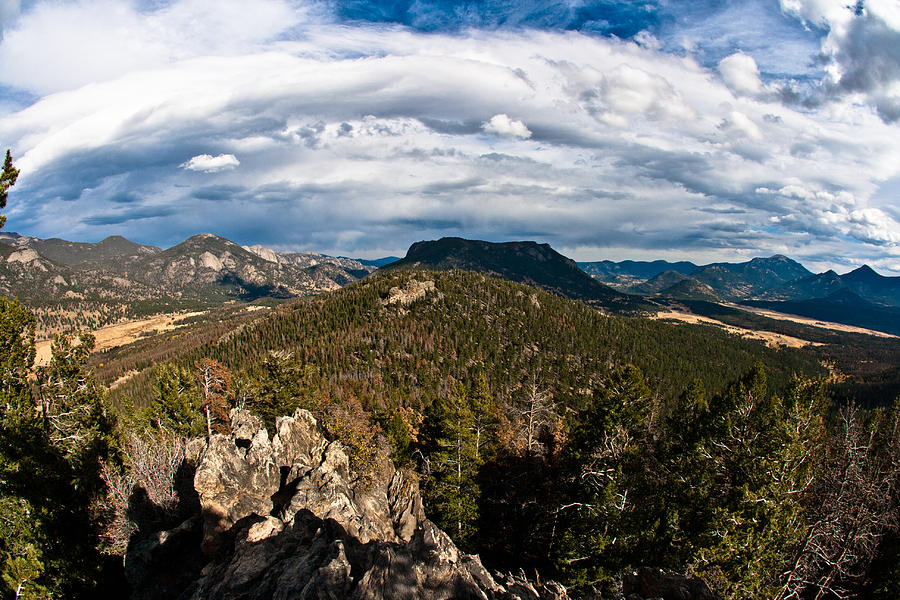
x=120, y=334
x=771, y=339
x=808, y=321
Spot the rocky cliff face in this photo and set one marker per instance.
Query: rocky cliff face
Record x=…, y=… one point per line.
x=285, y=518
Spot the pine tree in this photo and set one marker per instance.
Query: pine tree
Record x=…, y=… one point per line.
x=453, y=488
x=485, y=418
x=7, y=180
x=176, y=404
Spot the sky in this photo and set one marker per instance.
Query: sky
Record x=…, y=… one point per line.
x=705, y=130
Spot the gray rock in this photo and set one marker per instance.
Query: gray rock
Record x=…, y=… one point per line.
x=287, y=519
x=647, y=582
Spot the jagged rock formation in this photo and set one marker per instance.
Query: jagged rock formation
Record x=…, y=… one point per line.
x=286, y=518
x=412, y=291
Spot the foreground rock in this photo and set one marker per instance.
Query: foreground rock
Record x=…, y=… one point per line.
x=285, y=518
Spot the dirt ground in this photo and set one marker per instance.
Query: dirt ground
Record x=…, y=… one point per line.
x=121, y=334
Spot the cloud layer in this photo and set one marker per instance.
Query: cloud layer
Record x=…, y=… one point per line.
x=360, y=138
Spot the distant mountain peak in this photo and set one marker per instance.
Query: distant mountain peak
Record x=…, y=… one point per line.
x=864, y=271
x=527, y=262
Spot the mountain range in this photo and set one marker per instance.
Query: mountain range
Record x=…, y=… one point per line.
x=115, y=278
x=99, y=283
x=204, y=266
x=779, y=283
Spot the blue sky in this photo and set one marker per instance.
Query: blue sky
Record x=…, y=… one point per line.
x=702, y=130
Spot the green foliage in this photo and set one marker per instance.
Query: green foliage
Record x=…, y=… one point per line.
x=16, y=357
x=21, y=572
x=76, y=414
x=712, y=486
x=608, y=526
x=50, y=451
x=7, y=179
x=176, y=402
x=280, y=386
x=348, y=423
x=454, y=456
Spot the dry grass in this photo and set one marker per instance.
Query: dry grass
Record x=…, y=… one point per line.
x=113, y=336
x=771, y=339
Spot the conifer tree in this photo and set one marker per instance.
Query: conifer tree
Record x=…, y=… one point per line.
x=8, y=178
x=175, y=404
x=485, y=418
x=453, y=488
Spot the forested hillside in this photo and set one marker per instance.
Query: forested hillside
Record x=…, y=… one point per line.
x=475, y=325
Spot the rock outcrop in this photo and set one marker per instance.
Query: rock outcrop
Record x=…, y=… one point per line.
x=286, y=518
x=647, y=582
x=414, y=290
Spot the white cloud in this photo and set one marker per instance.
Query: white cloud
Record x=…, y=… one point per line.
x=211, y=164
x=863, y=50
x=361, y=137
x=503, y=126
x=741, y=74
x=741, y=124
x=60, y=46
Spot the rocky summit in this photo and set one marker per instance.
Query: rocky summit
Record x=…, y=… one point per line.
x=286, y=518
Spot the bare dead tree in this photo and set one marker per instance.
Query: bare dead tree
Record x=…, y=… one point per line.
x=151, y=464
x=215, y=384
x=852, y=506
x=528, y=417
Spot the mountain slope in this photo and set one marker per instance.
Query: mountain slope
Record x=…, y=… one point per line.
x=630, y=272
x=89, y=285
x=657, y=283
x=737, y=281
x=690, y=289
x=843, y=306
x=470, y=323
x=523, y=262
x=863, y=282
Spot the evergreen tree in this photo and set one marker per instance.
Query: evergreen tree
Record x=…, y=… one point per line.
x=279, y=388
x=76, y=416
x=452, y=489
x=608, y=525
x=8, y=178
x=50, y=453
x=176, y=403
x=485, y=418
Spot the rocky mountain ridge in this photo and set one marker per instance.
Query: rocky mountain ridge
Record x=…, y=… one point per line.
x=116, y=277
x=286, y=518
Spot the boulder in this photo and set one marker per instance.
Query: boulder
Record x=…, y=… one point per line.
x=646, y=582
